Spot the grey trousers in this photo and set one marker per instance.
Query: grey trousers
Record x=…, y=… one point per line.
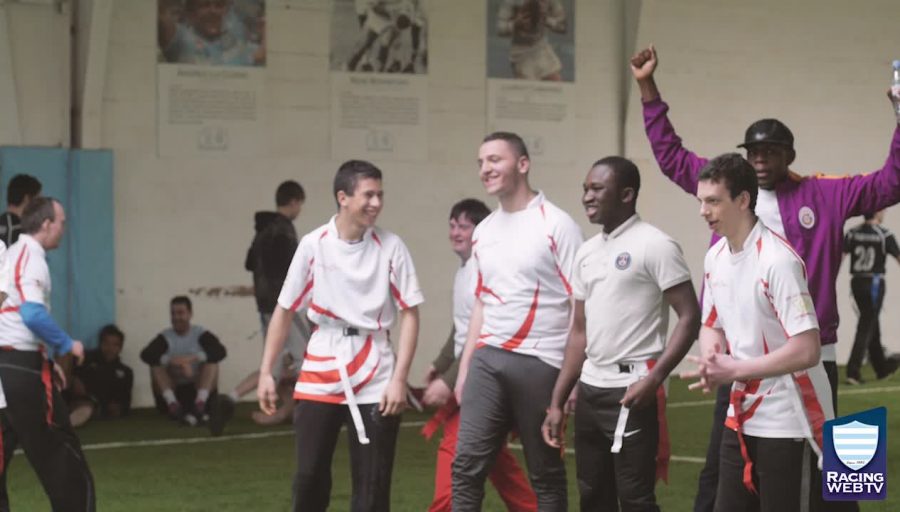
x=506, y=391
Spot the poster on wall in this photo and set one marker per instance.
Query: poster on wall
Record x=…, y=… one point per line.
x=530, y=74
x=379, y=83
x=211, y=56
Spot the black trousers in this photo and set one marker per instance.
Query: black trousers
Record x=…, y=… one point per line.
x=506, y=391
x=49, y=443
x=782, y=474
x=608, y=480
x=317, y=426
x=869, y=296
x=708, y=482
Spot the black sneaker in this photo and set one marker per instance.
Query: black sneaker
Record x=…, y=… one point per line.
x=174, y=411
x=221, y=409
x=890, y=365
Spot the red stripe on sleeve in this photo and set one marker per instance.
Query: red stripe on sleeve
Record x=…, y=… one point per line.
x=396, y=293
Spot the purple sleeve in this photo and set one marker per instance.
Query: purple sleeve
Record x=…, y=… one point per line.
x=677, y=163
x=867, y=193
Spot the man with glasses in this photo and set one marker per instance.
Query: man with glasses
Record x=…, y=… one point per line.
x=807, y=211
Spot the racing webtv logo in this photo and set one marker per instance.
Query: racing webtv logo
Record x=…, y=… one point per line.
x=855, y=457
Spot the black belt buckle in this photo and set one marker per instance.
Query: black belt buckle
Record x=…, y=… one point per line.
x=624, y=368
x=351, y=331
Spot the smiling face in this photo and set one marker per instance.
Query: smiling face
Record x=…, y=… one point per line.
x=721, y=213
x=208, y=16
x=601, y=198
x=364, y=205
x=181, y=317
x=501, y=170
x=461, y=229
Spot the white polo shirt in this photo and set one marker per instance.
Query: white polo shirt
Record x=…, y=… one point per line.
x=344, y=284
x=621, y=277
x=759, y=297
x=464, y=284
x=30, y=282
x=524, y=264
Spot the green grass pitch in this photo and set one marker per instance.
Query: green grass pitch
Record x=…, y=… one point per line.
x=255, y=473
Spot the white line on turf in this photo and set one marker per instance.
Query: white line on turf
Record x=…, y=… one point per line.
x=842, y=392
x=675, y=458
x=406, y=424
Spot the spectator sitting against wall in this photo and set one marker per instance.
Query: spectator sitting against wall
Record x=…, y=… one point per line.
x=101, y=386
x=184, y=370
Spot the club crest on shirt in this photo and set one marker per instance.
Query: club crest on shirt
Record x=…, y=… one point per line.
x=623, y=261
x=803, y=305
x=807, y=217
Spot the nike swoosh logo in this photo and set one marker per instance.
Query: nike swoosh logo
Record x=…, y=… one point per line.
x=629, y=434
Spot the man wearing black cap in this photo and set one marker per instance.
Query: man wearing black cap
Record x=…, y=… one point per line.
x=808, y=211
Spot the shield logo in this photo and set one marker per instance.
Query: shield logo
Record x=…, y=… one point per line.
x=855, y=443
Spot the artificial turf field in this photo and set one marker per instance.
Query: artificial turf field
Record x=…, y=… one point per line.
x=148, y=463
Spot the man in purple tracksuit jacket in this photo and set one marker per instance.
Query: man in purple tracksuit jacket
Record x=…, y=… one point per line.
x=810, y=210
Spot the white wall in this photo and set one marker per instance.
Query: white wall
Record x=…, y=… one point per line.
x=184, y=224
x=34, y=74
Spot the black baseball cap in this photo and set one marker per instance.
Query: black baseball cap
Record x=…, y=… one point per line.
x=771, y=131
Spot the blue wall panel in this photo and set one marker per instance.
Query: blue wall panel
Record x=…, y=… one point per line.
x=83, y=267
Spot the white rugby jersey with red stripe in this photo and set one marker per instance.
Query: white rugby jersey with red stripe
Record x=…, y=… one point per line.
x=524, y=261
x=759, y=297
x=360, y=285
x=28, y=281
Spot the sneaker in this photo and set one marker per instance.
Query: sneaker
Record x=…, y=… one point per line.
x=175, y=411
x=221, y=409
x=189, y=420
x=855, y=381
x=81, y=414
x=891, y=365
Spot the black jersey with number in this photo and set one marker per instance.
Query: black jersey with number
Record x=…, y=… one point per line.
x=869, y=245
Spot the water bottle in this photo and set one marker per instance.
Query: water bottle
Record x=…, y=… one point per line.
x=895, y=89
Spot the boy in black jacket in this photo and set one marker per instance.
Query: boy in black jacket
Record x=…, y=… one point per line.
x=268, y=258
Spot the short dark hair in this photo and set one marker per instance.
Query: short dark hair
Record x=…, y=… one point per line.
x=349, y=174
x=516, y=142
x=37, y=211
x=475, y=210
x=289, y=191
x=111, y=330
x=735, y=172
x=22, y=185
x=627, y=174
x=182, y=299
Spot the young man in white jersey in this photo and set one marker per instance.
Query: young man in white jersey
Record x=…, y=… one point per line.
x=757, y=305
x=355, y=279
x=33, y=413
x=523, y=253
x=506, y=475
x=624, y=280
